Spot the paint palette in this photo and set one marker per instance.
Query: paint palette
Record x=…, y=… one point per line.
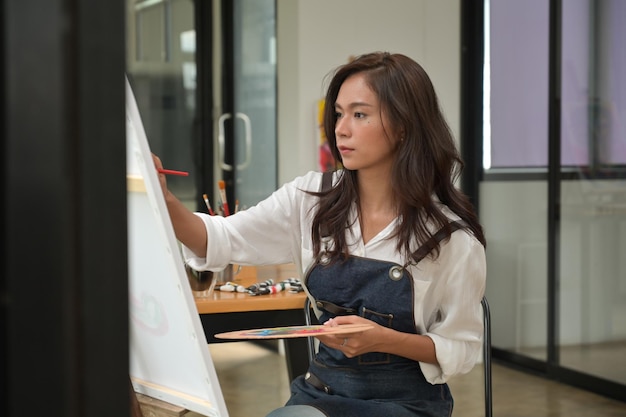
x=294, y=331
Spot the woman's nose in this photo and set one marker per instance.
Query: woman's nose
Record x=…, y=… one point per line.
x=341, y=127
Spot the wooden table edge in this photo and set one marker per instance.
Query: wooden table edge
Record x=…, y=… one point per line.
x=267, y=302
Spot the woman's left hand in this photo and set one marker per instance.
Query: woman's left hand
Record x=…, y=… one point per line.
x=354, y=344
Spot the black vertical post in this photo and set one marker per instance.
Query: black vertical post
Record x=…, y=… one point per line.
x=203, y=152
x=228, y=94
x=554, y=179
x=4, y=376
x=472, y=61
x=64, y=301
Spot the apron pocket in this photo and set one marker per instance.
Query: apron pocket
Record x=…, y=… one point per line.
x=334, y=309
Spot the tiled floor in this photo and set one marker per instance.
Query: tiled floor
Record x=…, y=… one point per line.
x=604, y=360
x=254, y=381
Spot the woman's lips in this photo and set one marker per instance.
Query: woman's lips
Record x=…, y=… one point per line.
x=344, y=149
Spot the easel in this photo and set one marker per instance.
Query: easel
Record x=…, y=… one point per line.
x=153, y=407
x=135, y=408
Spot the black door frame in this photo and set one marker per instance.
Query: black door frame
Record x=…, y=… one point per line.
x=205, y=122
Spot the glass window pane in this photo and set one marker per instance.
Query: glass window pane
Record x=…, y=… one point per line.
x=611, y=60
x=575, y=109
x=161, y=69
x=592, y=280
x=592, y=289
x=255, y=98
x=514, y=214
x=519, y=83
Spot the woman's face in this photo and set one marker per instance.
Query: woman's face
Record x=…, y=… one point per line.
x=359, y=129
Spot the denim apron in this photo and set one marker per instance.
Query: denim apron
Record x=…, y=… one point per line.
x=373, y=384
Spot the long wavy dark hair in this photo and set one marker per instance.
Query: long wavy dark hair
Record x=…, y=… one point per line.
x=426, y=161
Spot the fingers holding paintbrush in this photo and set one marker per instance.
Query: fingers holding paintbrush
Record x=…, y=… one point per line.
x=159, y=166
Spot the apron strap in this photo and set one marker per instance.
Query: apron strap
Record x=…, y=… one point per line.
x=432, y=243
x=327, y=183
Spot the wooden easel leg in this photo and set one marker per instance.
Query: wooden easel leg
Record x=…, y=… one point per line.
x=135, y=409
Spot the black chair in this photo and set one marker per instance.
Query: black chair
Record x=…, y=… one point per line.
x=487, y=357
x=486, y=349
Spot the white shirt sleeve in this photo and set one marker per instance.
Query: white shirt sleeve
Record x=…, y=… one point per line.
x=456, y=319
x=270, y=232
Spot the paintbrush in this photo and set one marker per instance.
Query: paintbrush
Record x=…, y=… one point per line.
x=172, y=172
x=222, y=185
x=208, y=205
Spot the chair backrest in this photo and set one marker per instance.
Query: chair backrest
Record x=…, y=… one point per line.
x=307, y=321
x=487, y=357
x=486, y=349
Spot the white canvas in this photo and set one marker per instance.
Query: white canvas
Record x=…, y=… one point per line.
x=169, y=356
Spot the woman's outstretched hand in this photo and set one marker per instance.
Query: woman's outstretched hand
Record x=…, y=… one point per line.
x=189, y=228
x=162, y=180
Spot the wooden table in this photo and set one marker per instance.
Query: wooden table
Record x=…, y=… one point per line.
x=229, y=311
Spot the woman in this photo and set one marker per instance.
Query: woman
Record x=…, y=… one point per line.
x=361, y=244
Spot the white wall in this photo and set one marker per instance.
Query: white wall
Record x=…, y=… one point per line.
x=314, y=37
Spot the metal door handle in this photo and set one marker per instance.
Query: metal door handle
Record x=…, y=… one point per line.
x=248, y=138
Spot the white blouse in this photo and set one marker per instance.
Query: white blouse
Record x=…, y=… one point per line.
x=448, y=290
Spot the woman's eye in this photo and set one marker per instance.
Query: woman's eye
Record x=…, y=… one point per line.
x=359, y=115
x=337, y=115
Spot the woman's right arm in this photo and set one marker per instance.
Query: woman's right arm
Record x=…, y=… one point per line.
x=189, y=228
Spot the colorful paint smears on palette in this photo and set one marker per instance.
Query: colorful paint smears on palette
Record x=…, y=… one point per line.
x=286, y=331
